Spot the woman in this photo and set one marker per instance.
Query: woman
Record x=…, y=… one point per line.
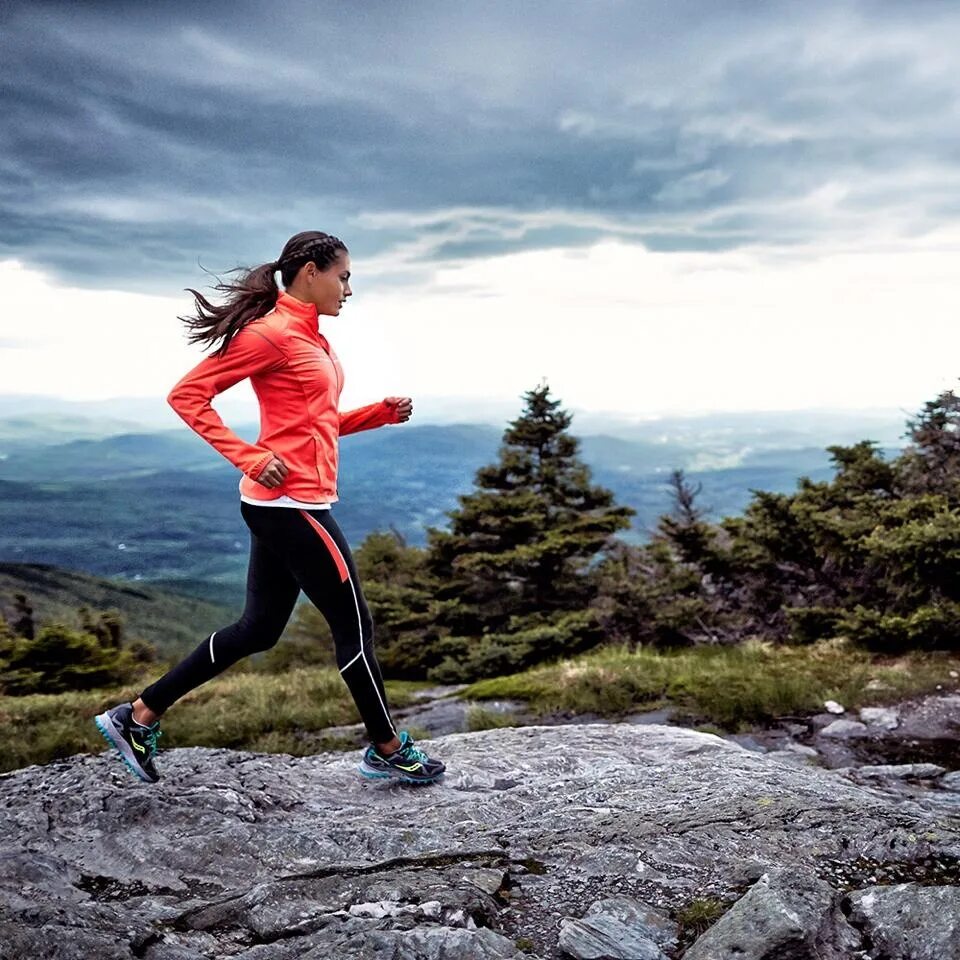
x=288, y=486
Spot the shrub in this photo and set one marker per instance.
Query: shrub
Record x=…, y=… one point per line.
x=494, y=654
x=935, y=626
x=59, y=659
x=809, y=624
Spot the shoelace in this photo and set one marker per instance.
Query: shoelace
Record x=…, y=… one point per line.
x=415, y=753
x=150, y=738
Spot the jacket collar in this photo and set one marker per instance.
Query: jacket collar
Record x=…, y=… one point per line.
x=302, y=315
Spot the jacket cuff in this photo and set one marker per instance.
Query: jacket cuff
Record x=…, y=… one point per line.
x=255, y=469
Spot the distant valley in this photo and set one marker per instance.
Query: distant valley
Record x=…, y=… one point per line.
x=160, y=506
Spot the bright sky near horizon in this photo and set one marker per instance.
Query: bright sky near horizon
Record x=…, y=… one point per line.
x=659, y=207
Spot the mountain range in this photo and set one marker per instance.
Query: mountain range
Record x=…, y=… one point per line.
x=95, y=492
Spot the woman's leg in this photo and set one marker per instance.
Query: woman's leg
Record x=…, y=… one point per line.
x=272, y=593
x=319, y=557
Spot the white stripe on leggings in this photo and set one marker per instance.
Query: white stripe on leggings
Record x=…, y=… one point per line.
x=357, y=657
x=212, y=635
x=366, y=663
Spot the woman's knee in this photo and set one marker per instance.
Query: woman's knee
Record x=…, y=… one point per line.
x=256, y=635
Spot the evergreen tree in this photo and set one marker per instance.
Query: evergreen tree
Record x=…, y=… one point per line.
x=23, y=625
x=514, y=565
x=675, y=590
x=401, y=595
x=931, y=463
x=684, y=527
x=105, y=625
x=873, y=554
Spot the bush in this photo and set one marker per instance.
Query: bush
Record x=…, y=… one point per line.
x=59, y=659
x=809, y=624
x=472, y=658
x=934, y=626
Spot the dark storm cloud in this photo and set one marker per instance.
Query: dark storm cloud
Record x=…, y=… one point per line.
x=138, y=139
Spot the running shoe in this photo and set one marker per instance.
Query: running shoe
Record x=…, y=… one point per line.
x=136, y=743
x=409, y=763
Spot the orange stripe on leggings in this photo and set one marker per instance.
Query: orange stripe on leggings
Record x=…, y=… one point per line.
x=331, y=546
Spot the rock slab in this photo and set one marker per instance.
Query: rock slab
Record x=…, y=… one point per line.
x=271, y=857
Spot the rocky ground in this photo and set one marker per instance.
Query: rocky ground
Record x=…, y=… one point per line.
x=585, y=841
x=926, y=729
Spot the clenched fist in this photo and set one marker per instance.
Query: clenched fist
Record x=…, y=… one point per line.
x=273, y=474
x=404, y=407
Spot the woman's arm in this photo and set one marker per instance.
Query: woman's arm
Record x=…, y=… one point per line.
x=249, y=353
x=389, y=410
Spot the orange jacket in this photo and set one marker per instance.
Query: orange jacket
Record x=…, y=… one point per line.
x=297, y=378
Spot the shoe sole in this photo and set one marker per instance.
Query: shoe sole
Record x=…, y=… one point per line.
x=110, y=732
x=372, y=774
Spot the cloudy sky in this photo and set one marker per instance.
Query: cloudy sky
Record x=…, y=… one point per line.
x=659, y=206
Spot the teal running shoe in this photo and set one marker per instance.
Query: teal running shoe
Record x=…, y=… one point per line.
x=136, y=743
x=409, y=763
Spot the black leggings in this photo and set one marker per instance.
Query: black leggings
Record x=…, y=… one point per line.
x=292, y=550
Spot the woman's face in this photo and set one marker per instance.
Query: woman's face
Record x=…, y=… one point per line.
x=328, y=289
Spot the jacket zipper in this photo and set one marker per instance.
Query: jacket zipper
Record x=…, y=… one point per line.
x=336, y=374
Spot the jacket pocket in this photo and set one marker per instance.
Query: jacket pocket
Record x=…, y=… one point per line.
x=318, y=462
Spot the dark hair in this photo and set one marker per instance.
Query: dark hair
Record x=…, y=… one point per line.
x=255, y=292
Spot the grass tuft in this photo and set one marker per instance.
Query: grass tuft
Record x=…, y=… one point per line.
x=480, y=718
x=700, y=914
x=730, y=688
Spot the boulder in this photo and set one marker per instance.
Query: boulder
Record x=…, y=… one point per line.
x=936, y=717
x=886, y=718
x=787, y=915
x=908, y=921
x=951, y=781
x=619, y=928
x=844, y=729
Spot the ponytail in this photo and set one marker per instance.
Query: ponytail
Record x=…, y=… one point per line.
x=252, y=295
x=255, y=292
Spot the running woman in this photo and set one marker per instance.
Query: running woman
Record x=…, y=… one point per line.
x=288, y=486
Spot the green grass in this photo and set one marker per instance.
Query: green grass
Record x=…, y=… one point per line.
x=729, y=687
x=697, y=916
x=700, y=914
x=480, y=718
x=249, y=711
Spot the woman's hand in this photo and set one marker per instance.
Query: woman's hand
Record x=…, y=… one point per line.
x=404, y=407
x=273, y=474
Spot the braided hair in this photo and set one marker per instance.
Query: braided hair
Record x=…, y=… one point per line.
x=255, y=291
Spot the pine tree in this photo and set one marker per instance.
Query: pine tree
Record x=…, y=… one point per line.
x=519, y=548
x=401, y=596
x=23, y=625
x=931, y=463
